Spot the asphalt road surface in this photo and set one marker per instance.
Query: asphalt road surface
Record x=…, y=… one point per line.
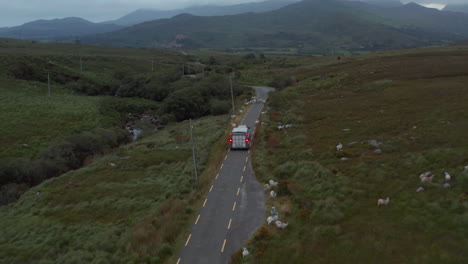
x=233, y=209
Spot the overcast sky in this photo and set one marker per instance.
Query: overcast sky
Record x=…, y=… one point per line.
x=17, y=12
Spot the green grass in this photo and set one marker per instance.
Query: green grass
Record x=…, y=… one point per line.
x=132, y=212
x=414, y=102
x=29, y=116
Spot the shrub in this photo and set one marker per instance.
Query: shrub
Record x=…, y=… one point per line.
x=281, y=82
x=219, y=107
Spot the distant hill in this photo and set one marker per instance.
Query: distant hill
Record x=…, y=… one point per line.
x=48, y=30
x=310, y=26
x=143, y=15
x=456, y=8
x=444, y=24
x=383, y=3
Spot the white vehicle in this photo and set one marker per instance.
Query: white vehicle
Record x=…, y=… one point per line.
x=239, y=138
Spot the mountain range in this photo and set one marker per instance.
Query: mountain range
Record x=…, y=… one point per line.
x=56, y=29
x=310, y=26
x=456, y=8
x=143, y=15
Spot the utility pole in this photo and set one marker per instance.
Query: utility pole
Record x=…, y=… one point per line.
x=48, y=82
x=193, y=152
x=232, y=96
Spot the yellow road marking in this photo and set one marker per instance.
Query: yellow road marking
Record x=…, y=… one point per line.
x=188, y=239
x=217, y=175
x=198, y=218
x=244, y=168
x=246, y=159
x=178, y=261
x=234, y=206
x=229, y=225
x=224, y=244
x=238, y=191
x=211, y=188
x=222, y=165
x=242, y=178
x=205, y=202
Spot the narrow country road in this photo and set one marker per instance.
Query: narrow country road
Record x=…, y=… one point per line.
x=233, y=209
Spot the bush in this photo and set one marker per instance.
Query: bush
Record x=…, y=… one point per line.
x=219, y=107
x=281, y=82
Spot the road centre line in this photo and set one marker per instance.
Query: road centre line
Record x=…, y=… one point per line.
x=205, y=202
x=246, y=159
x=229, y=225
x=224, y=244
x=178, y=261
x=234, y=206
x=188, y=239
x=244, y=168
x=217, y=175
x=222, y=165
x=225, y=158
x=211, y=187
x=198, y=218
x=238, y=191
x=242, y=178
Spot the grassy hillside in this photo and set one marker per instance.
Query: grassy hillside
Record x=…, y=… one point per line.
x=132, y=212
x=397, y=115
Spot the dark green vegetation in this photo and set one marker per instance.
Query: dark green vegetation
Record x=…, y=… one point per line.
x=44, y=137
x=413, y=104
x=132, y=212
x=307, y=27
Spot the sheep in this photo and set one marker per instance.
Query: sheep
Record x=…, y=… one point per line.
x=420, y=189
x=427, y=179
x=272, y=194
x=280, y=127
x=273, y=210
x=281, y=225
x=288, y=126
x=245, y=252
x=339, y=147
x=425, y=174
x=112, y=164
x=447, y=177
x=272, y=218
x=273, y=183
x=383, y=201
x=446, y=185
x=266, y=187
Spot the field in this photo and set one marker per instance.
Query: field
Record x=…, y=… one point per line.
x=397, y=115
x=128, y=206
